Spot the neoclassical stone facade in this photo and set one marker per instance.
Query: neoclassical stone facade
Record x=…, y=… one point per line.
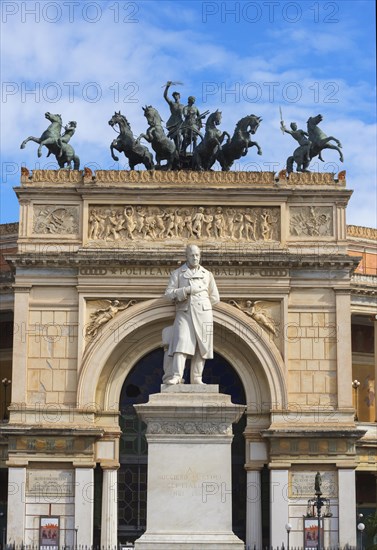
x=94, y=254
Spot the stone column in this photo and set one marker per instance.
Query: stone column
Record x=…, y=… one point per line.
x=84, y=505
x=254, y=509
x=343, y=349
x=109, y=517
x=347, y=507
x=16, y=506
x=279, y=508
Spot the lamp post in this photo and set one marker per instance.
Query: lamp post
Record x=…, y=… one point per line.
x=6, y=382
x=361, y=527
x=288, y=528
x=355, y=385
x=318, y=502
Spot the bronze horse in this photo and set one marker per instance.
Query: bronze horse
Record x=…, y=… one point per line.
x=319, y=141
x=127, y=144
x=240, y=142
x=164, y=147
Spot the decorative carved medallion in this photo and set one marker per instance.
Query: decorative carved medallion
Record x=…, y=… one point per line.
x=311, y=221
x=58, y=220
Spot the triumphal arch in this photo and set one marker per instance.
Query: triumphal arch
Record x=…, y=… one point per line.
x=95, y=251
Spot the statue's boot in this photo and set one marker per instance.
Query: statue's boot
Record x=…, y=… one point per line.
x=172, y=381
x=197, y=367
x=178, y=366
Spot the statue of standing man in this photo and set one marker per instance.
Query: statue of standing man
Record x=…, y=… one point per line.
x=193, y=290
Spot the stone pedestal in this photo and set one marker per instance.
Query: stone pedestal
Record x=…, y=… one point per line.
x=189, y=500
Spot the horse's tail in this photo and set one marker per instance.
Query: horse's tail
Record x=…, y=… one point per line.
x=76, y=163
x=290, y=161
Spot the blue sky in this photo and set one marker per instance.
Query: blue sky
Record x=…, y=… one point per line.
x=86, y=59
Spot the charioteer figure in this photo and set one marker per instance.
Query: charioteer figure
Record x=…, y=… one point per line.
x=192, y=123
x=175, y=120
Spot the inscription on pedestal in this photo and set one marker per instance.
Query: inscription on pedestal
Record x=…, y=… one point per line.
x=191, y=483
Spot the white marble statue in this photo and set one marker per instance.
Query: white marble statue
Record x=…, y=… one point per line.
x=194, y=291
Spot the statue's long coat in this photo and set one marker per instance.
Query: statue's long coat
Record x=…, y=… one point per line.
x=193, y=323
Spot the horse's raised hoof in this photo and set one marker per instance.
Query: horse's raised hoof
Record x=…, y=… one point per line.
x=260, y=152
x=22, y=146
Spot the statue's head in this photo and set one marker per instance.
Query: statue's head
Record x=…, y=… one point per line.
x=191, y=100
x=293, y=126
x=72, y=124
x=176, y=96
x=192, y=255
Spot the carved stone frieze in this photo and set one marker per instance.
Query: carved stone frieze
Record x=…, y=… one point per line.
x=311, y=221
x=56, y=220
x=189, y=427
x=40, y=444
x=156, y=223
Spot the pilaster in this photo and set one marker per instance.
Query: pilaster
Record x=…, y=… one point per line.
x=109, y=517
x=343, y=348
x=347, y=507
x=84, y=501
x=16, y=506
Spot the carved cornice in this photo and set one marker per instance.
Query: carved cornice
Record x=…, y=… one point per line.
x=95, y=261
x=361, y=232
x=152, y=177
x=364, y=284
x=7, y=229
